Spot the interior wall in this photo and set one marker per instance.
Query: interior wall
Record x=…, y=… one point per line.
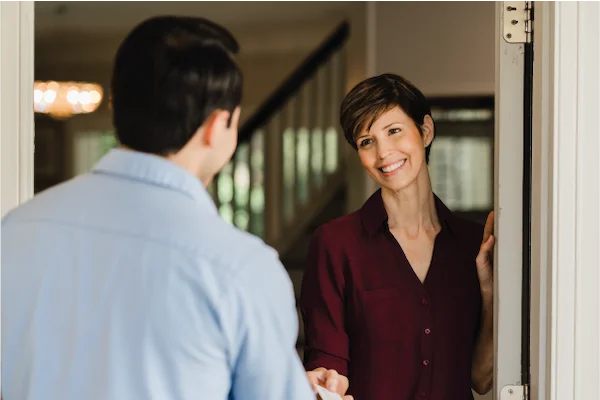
x=444, y=48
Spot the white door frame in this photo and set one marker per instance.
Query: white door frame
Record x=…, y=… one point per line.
x=565, y=315
x=508, y=179
x=16, y=102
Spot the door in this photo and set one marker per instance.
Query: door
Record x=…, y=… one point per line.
x=514, y=71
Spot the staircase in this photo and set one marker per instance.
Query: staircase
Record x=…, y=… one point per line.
x=287, y=175
x=288, y=163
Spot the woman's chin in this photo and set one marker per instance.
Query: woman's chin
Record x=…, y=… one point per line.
x=394, y=185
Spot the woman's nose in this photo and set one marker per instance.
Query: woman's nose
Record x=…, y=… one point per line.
x=383, y=148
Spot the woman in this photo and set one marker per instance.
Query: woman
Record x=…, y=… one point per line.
x=397, y=296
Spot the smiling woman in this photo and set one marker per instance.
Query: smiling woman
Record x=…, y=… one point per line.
x=393, y=149
x=402, y=287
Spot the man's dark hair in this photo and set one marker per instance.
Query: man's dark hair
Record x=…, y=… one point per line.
x=170, y=74
x=371, y=98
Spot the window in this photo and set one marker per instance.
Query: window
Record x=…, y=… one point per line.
x=462, y=155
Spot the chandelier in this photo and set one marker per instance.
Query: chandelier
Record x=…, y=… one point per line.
x=62, y=100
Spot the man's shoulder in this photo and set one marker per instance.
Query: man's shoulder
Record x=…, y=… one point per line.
x=37, y=207
x=210, y=240
x=160, y=219
x=230, y=245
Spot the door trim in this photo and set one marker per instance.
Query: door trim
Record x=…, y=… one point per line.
x=16, y=102
x=508, y=169
x=565, y=296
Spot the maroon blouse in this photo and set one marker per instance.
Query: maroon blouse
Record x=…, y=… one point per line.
x=368, y=316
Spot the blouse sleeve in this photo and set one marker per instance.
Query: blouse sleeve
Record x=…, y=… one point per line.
x=322, y=305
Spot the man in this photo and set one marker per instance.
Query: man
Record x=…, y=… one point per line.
x=124, y=283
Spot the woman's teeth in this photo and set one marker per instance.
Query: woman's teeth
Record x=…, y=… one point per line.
x=393, y=167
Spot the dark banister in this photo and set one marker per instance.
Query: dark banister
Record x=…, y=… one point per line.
x=293, y=83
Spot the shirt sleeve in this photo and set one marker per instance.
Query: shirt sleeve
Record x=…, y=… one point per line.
x=322, y=303
x=261, y=325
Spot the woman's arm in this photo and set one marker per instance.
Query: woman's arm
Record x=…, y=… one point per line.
x=322, y=304
x=482, y=368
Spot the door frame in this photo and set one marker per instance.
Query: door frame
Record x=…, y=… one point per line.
x=508, y=206
x=565, y=301
x=16, y=100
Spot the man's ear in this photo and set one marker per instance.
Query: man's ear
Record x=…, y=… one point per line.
x=235, y=118
x=428, y=129
x=216, y=122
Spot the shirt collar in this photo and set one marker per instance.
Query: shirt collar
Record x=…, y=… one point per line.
x=153, y=170
x=373, y=214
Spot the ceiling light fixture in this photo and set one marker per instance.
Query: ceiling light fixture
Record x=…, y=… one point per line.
x=62, y=100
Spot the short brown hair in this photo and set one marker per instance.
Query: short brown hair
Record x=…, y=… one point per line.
x=368, y=100
x=170, y=73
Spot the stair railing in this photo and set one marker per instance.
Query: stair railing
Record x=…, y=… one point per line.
x=289, y=162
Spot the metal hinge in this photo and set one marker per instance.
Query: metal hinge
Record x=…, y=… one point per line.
x=514, y=392
x=517, y=21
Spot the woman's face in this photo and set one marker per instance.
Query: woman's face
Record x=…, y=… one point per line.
x=393, y=150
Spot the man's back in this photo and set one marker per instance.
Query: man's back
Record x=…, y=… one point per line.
x=125, y=284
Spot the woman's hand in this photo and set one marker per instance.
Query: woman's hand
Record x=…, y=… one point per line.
x=330, y=380
x=485, y=259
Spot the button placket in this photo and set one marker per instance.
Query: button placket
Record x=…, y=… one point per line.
x=426, y=346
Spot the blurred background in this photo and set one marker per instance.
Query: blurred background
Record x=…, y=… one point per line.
x=293, y=169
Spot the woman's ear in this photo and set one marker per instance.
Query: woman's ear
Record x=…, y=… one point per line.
x=428, y=129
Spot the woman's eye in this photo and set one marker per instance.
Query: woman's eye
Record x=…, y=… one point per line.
x=365, y=142
x=393, y=131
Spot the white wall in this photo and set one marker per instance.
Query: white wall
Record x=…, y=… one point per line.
x=444, y=48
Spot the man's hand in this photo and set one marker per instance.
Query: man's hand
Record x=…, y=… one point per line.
x=330, y=380
x=485, y=258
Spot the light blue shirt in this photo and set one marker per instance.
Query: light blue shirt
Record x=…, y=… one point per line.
x=125, y=283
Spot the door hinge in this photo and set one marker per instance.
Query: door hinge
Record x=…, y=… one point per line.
x=514, y=392
x=517, y=21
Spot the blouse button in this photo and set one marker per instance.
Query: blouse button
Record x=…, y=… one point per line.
x=424, y=301
x=425, y=362
x=427, y=331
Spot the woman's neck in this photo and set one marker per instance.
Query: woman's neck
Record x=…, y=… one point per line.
x=412, y=210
